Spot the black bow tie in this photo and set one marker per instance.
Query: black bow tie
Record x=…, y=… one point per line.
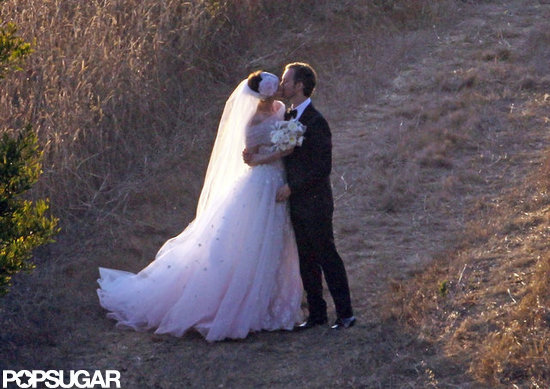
x=291, y=114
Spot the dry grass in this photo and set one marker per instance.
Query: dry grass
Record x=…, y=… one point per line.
x=486, y=301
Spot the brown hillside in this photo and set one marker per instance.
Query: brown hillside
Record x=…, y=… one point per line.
x=441, y=180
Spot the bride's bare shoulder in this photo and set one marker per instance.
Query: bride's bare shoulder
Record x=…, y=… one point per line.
x=279, y=104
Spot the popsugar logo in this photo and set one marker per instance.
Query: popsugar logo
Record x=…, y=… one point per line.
x=59, y=379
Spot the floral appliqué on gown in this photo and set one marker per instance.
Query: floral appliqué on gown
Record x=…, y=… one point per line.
x=232, y=271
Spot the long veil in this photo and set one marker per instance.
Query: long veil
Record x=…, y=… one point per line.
x=226, y=163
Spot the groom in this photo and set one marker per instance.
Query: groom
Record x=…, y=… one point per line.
x=311, y=205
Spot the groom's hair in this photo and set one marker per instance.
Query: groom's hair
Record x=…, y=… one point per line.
x=305, y=74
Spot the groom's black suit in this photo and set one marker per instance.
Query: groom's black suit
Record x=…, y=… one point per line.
x=308, y=171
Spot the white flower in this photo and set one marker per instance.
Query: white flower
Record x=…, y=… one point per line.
x=285, y=139
x=276, y=137
x=292, y=126
x=287, y=134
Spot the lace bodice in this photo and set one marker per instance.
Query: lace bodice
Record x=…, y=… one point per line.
x=260, y=134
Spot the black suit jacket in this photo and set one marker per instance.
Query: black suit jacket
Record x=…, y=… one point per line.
x=308, y=169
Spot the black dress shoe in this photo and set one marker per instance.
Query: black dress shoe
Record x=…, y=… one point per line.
x=344, y=323
x=310, y=323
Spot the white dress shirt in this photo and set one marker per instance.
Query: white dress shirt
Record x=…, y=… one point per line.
x=301, y=108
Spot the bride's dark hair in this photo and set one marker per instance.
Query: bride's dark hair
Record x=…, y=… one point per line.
x=254, y=80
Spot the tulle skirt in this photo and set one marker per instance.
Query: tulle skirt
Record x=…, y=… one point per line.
x=232, y=271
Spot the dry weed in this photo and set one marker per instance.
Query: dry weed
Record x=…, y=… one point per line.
x=126, y=96
x=485, y=301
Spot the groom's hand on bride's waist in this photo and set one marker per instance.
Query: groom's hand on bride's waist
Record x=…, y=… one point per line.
x=283, y=193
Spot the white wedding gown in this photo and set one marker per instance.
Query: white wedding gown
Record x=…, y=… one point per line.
x=232, y=271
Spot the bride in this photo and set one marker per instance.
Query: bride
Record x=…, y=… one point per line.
x=234, y=269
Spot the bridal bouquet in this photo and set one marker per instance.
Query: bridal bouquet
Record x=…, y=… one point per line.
x=287, y=134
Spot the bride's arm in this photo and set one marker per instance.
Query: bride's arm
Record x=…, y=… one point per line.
x=249, y=152
x=262, y=159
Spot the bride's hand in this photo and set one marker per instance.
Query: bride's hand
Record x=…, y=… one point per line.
x=252, y=158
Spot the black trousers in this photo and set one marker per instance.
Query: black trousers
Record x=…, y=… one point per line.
x=318, y=257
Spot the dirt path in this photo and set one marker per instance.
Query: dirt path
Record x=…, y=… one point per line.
x=397, y=205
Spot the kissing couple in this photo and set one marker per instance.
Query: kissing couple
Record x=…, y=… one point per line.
x=262, y=234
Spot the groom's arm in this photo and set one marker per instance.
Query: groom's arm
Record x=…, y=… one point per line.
x=316, y=157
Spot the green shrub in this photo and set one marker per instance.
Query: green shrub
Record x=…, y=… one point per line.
x=24, y=224
x=12, y=49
